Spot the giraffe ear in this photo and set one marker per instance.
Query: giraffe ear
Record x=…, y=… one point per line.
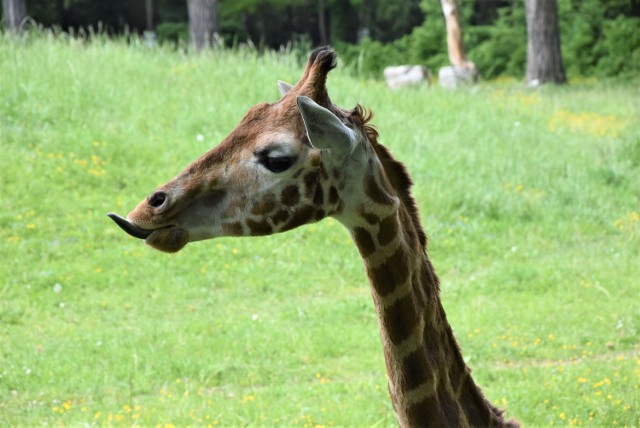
x=324, y=129
x=284, y=87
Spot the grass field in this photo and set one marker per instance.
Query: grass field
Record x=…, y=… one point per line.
x=531, y=200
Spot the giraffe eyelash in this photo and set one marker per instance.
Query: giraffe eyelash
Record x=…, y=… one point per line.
x=277, y=163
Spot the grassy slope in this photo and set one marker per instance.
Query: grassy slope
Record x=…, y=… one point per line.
x=530, y=199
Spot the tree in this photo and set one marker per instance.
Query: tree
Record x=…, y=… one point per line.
x=322, y=25
x=457, y=55
x=14, y=12
x=387, y=20
x=203, y=22
x=462, y=71
x=544, y=58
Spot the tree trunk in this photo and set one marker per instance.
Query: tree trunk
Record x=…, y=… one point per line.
x=322, y=26
x=203, y=22
x=544, y=58
x=61, y=13
x=149, y=15
x=457, y=55
x=14, y=12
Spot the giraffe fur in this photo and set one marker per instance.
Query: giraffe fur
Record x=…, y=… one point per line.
x=297, y=161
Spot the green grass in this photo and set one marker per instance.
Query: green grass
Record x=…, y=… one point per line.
x=530, y=199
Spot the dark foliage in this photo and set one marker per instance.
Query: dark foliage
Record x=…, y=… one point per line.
x=598, y=37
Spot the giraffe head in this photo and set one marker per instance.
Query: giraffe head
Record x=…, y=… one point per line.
x=285, y=164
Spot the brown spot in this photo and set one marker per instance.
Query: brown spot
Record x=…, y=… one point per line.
x=431, y=338
x=299, y=217
x=449, y=407
x=315, y=160
x=363, y=241
x=336, y=174
x=320, y=214
x=212, y=180
x=457, y=374
x=391, y=273
x=318, y=196
x=375, y=192
x=410, y=235
x=339, y=208
x=213, y=198
x=369, y=217
x=426, y=413
x=333, y=195
x=265, y=205
x=290, y=196
x=422, y=292
x=310, y=181
x=416, y=370
x=259, y=228
x=233, y=229
x=297, y=173
x=400, y=319
x=235, y=205
x=388, y=230
x=280, y=217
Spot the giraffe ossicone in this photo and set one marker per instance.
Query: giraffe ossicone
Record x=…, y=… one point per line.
x=284, y=87
x=295, y=162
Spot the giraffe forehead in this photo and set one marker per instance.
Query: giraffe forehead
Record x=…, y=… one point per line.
x=263, y=124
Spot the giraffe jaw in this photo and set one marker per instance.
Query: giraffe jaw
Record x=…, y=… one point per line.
x=169, y=239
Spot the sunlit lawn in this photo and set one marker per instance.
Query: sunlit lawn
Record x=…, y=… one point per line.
x=531, y=199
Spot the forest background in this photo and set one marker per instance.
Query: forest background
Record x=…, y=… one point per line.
x=599, y=38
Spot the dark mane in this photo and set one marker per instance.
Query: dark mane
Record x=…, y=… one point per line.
x=395, y=170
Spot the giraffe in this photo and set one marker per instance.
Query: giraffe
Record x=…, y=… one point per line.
x=297, y=161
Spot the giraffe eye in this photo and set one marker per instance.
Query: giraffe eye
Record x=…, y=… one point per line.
x=277, y=164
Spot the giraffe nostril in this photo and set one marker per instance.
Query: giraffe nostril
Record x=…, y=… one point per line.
x=157, y=199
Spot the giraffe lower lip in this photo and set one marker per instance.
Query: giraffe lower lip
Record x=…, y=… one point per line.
x=132, y=230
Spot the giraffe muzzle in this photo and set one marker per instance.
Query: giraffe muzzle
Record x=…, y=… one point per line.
x=132, y=230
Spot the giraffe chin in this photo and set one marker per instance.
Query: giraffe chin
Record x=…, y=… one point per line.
x=169, y=240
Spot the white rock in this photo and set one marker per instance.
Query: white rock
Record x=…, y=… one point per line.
x=452, y=77
x=406, y=75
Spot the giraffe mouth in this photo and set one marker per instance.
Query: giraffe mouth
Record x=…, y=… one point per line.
x=169, y=239
x=135, y=231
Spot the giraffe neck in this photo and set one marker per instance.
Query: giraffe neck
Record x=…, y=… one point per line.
x=428, y=379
